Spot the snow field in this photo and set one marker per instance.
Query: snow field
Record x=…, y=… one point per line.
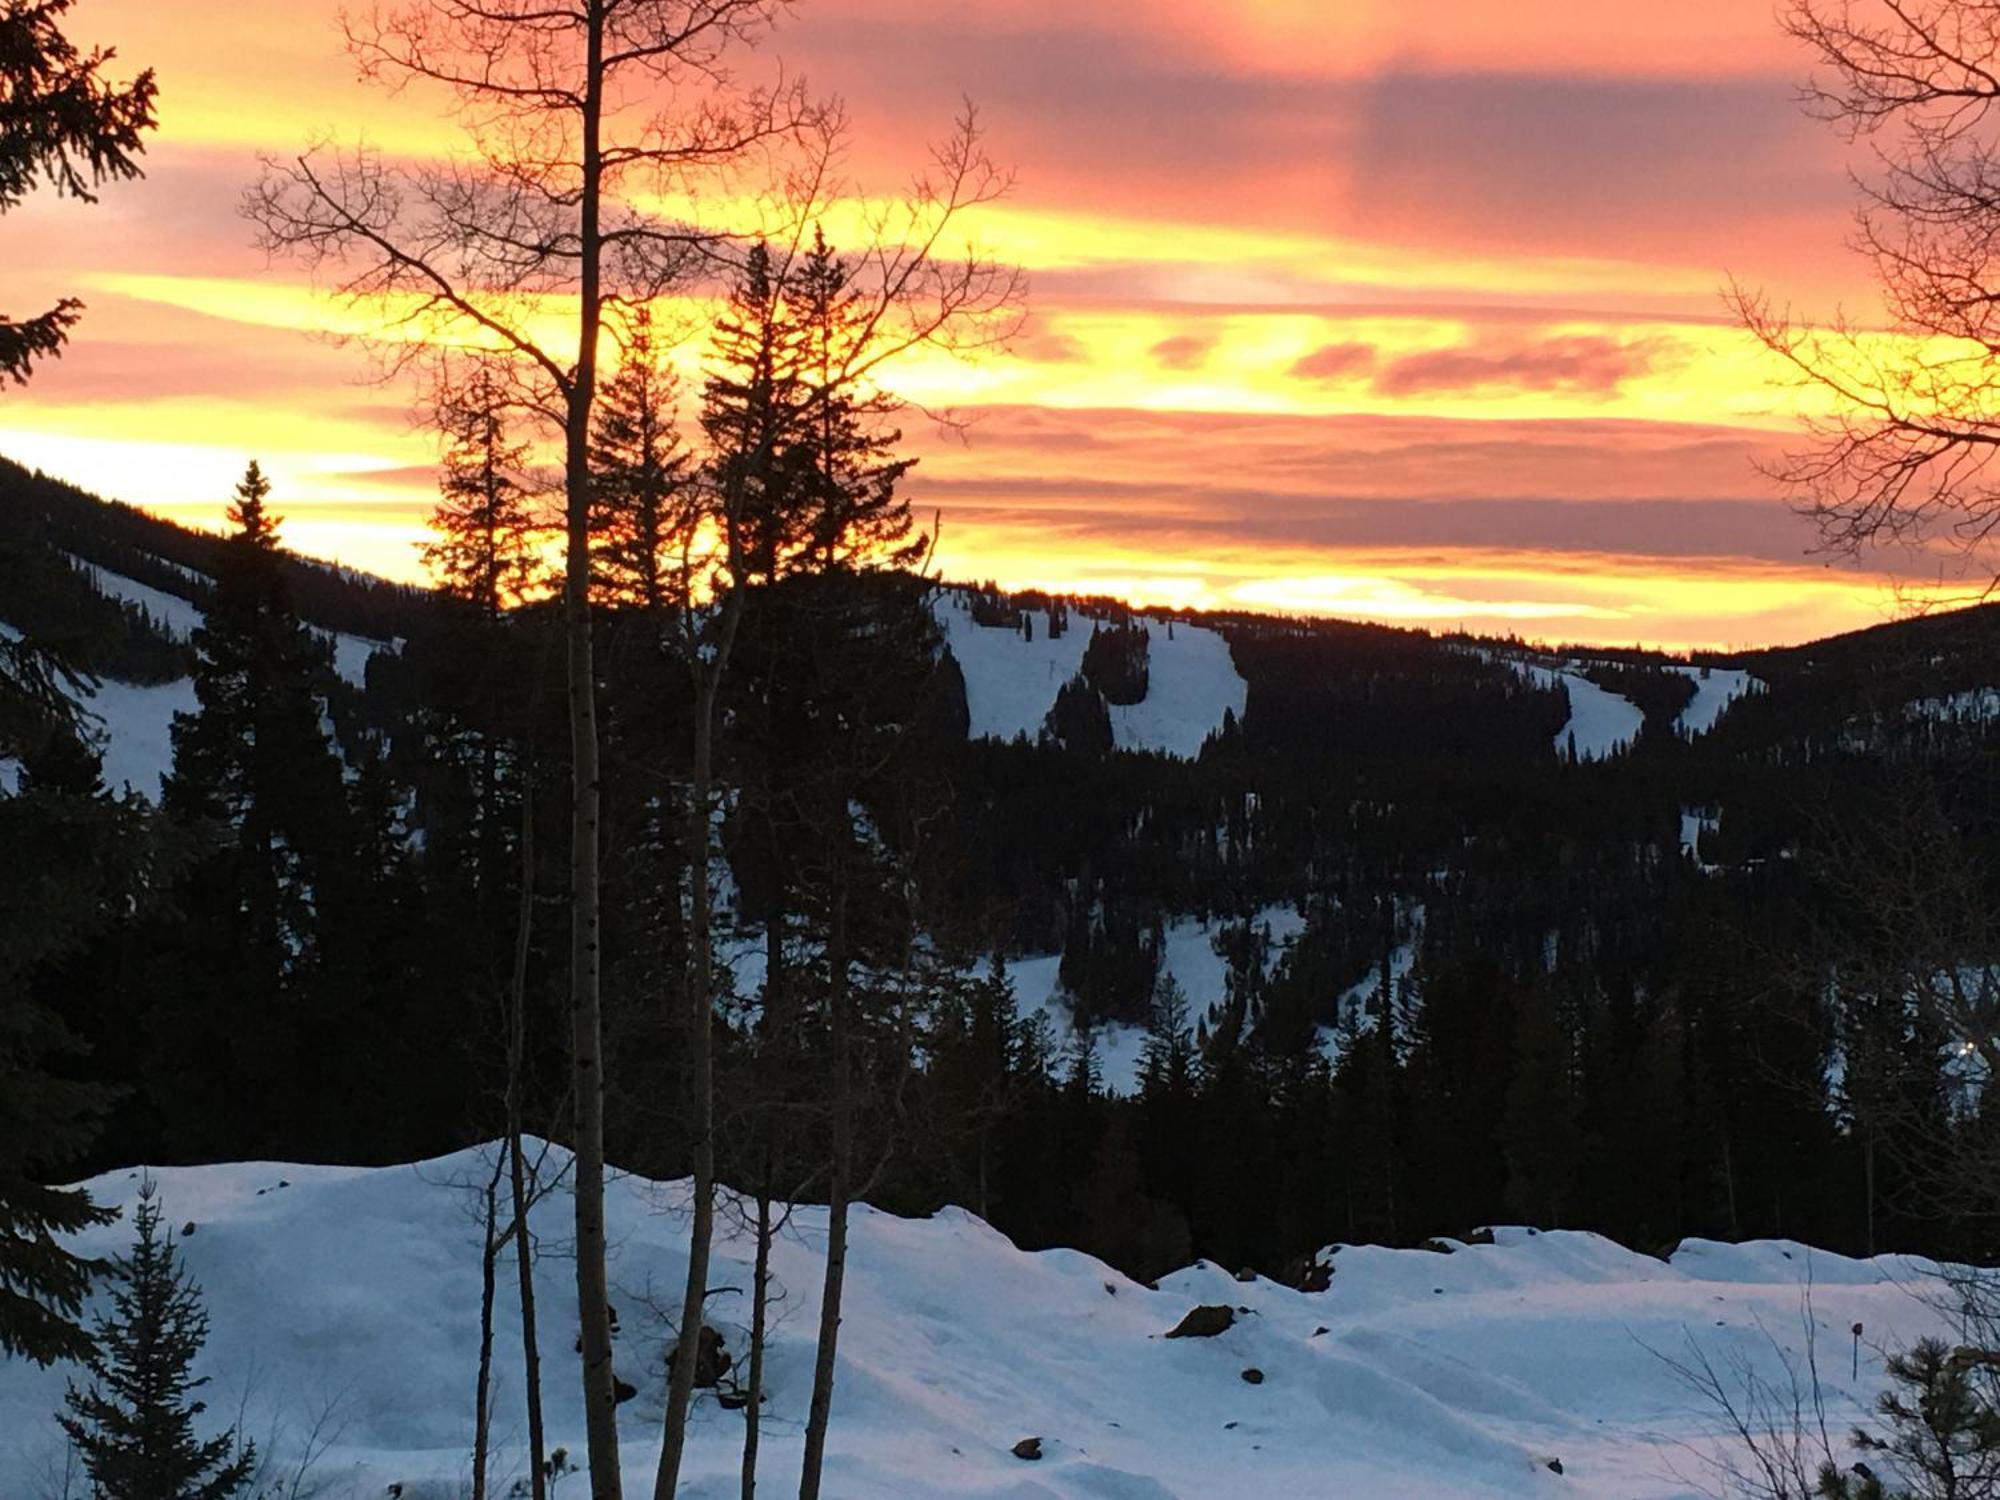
x=1011, y=683
x=355, y=1292
x=1715, y=688
x=1600, y=723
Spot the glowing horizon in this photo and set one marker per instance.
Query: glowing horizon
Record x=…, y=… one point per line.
x=1395, y=318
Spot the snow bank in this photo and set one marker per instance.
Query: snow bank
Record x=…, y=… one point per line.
x=354, y=1293
x=1011, y=683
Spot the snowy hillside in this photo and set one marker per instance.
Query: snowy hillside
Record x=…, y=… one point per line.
x=349, y=1297
x=181, y=619
x=1188, y=954
x=1011, y=682
x=1601, y=723
x=1715, y=688
x=134, y=721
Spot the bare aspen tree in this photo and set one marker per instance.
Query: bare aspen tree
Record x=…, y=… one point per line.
x=490, y=1241
x=576, y=116
x=517, y=1163
x=1902, y=453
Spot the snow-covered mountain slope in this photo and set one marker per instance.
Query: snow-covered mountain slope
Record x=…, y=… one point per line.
x=1011, y=683
x=182, y=618
x=1188, y=954
x=349, y=1297
x=1715, y=688
x=1601, y=723
x=136, y=721
x=173, y=614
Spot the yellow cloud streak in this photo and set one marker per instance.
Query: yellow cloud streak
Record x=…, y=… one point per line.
x=1680, y=372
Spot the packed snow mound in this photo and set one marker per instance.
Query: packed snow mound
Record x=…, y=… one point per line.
x=349, y=1298
x=1011, y=682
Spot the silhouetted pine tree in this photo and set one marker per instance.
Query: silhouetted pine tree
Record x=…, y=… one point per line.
x=846, y=448
x=642, y=478
x=485, y=524
x=750, y=413
x=255, y=756
x=134, y=1426
x=77, y=864
x=254, y=765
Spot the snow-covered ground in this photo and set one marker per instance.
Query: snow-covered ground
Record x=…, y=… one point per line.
x=1603, y=722
x=351, y=653
x=1188, y=954
x=1011, y=683
x=1715, y=688
x=181, y=618
x=1600, y=723
x=137, y=730
x=1973, y=706
x=1361, y=1007
x=351, y=1295
x=134, y=721
x=1696, y=821
x=175, y=615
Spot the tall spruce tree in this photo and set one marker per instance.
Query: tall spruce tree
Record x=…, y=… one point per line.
x=134, y=1425
x=642, y=478
x=750, y=414
x=77, y=862
x=61, y=122
x=254, y=766
x=255, y=756
x=845, y=457
x=485, y=527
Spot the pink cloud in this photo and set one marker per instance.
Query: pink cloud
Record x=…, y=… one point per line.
x=1585, y=363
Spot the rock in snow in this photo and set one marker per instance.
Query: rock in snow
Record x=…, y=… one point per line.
x=354, y=1296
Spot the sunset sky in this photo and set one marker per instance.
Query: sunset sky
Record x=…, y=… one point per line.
x=1360, y=307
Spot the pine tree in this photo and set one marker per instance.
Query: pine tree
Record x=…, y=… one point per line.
x=1944, y=1432
x=751, y=406
x=1539, y=1130
x=485, y=552
x=255, y=756
x=642, y=477
x=134, y=1427
x=241, y=1062
x=848, y=471
x=59, y=121
x=78, y=862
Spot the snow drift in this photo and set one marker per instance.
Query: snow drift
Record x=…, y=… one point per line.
x=351, y=1295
